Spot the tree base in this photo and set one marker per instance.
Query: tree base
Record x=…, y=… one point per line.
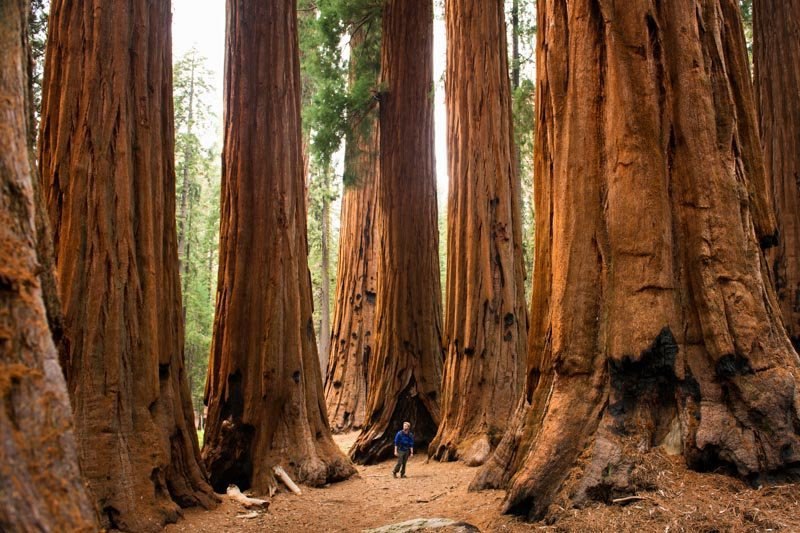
x=472, y=451
x=376, y=443
x=590, y=437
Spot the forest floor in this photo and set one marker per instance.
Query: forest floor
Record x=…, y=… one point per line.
x=684, y=501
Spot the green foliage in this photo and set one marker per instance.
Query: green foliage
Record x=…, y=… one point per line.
x=37, y=37
x=746, y=7
x=322, y=195
x=338, y=104
x=521, y=17
x=337, y=98
x=521, y=26
x=198, y=192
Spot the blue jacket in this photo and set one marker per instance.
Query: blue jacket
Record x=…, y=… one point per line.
x=404, y=441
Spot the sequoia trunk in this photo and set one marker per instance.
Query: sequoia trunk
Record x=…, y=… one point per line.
x=653, y=320
x=777, y=78
x=352, y=337
x=264, y=388
x=404, y=374
x=106, y=158
x=39, y=476
x=485, y=317
x=325, y=265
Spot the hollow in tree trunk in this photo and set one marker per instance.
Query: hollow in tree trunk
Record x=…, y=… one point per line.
x=777, y=80
x=39, y=476
x=352, y=333
x=485, y=316
x=404, y=374
x=653, y=320
x=264, y=388
x=106, y=158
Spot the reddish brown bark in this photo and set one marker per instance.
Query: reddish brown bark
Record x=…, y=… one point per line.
x=653, y=320
x=39, y=477
x=777, y=79
x=106, y=158
x=264, y=388
x=352, y=334
x=485, y=317
x=404, y=374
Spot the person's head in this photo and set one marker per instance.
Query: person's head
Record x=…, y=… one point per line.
x=406, y=426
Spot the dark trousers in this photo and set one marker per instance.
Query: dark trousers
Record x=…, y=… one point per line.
x=402, y=459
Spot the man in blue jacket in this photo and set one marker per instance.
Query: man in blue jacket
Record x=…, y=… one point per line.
x=403, y=449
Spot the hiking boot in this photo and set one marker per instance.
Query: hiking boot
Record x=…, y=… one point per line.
x=402, y=475
x=394, y=474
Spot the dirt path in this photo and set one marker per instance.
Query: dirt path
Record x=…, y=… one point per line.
x=372, y=499
x=685, y=501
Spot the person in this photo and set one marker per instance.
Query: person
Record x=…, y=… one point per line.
x=403, y=449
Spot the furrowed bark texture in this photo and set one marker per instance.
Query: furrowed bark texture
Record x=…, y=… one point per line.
x=44, y=240
x=264, y=388
x=352, y=337
x=404, y=374
x=485, y=316
x=777, y=80
x=653, y=320
x=106, y=158
x=39, y=477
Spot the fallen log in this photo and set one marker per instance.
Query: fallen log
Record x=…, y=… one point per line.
x=249, y=503
x=283, y=476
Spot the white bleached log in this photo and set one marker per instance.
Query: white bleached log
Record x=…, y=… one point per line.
x=283, y=476
x=235, y=494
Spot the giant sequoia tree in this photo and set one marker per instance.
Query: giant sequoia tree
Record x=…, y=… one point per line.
x=352, y=335
x=404, y=372
x=264, y=388
x=653, y=320
x=107, y=168
x=777, y=79
x=39, y=477
x=485, y=318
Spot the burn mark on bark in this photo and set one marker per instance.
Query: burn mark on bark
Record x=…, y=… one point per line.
x=112, y=514
x=769, y=241
x=234, y=406
x=409, y=407
x=646, y=381
x=732, y=365
x=232, y=463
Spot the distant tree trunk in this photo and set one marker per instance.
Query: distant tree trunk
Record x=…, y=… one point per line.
x=325, y=264
x=405, y=372
x=306, y=169
x=106, y=158
x=352, y=338
x=515, y=78
x=653, y=320
x=515, y=44
x=39, y=476
x=264, y=388
x=183, y=226
x=777, y=78
x=486, y=322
